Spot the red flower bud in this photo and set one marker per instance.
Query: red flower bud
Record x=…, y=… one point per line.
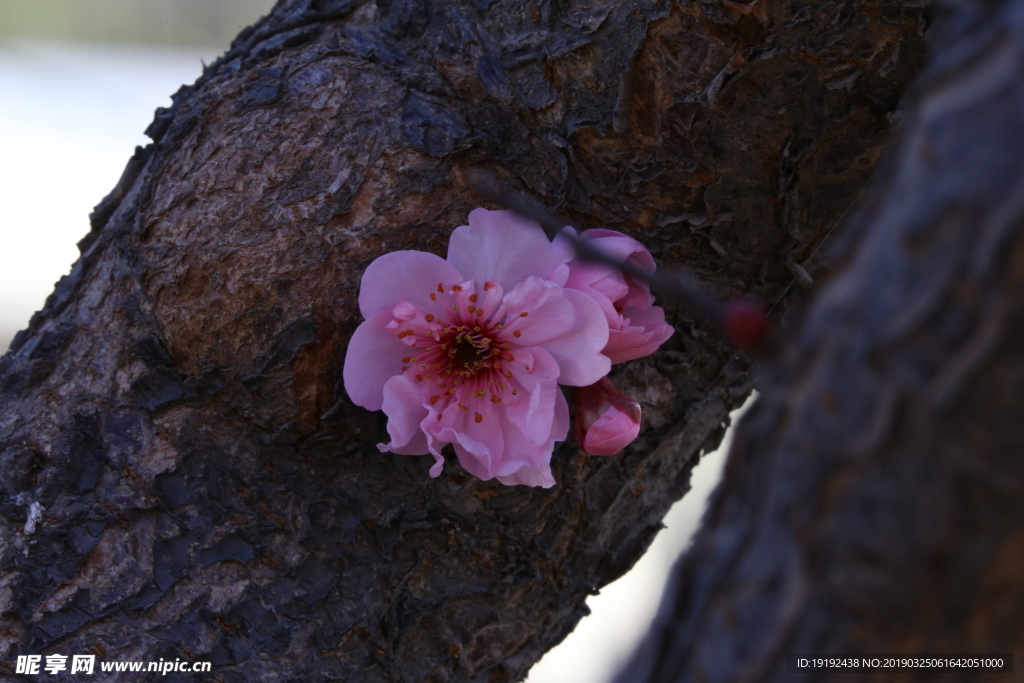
x=745, y=324
x=606, y=419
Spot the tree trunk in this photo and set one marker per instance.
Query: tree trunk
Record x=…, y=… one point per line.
x=872, y=500
x=183, y=474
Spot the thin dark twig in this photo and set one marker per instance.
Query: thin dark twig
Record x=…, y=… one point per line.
x=680, y=287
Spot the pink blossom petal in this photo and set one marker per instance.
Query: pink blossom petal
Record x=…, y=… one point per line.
x=613, y=285
x=639, y=294
x=564, y=248
x=409, y=276
x=621, y=246
x=530, y=476
x=644, y=332
x=578, y=351
x=471, y=462
x=534, y=465
x=564, y=251
x=405, y=412
x=532, y=408
x=548, y=314
x=502, y=247
x=479, y=443
x=632, y=346
x=611, y=316
x=560, y=274
x=411, y=321
x=625, y=248
x=648, y=318
x=524, y=452
x=603, y=284
x=374, y=356
x=492, y=296
x=433, y=444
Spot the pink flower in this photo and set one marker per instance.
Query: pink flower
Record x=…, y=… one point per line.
x=469, y=351
x=636, y=327
x=606, y=419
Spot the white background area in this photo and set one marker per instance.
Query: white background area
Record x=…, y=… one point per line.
x=70, y=118
x=621, y=613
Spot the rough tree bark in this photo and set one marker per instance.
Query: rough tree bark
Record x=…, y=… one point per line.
x=873, y=502
x=183, y=475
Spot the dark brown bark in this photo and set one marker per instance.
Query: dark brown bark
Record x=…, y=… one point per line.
x=175, y=412
x=872, y=501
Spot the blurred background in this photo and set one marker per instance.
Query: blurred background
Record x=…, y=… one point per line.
x=79, y=82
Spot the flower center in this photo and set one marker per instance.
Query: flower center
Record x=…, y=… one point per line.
x=468, y=351
x=462, y=356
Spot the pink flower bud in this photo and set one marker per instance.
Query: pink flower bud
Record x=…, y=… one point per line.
x=606, y=419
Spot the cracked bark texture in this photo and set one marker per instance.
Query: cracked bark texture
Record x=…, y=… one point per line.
x=183, y=475
x=872, y=502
